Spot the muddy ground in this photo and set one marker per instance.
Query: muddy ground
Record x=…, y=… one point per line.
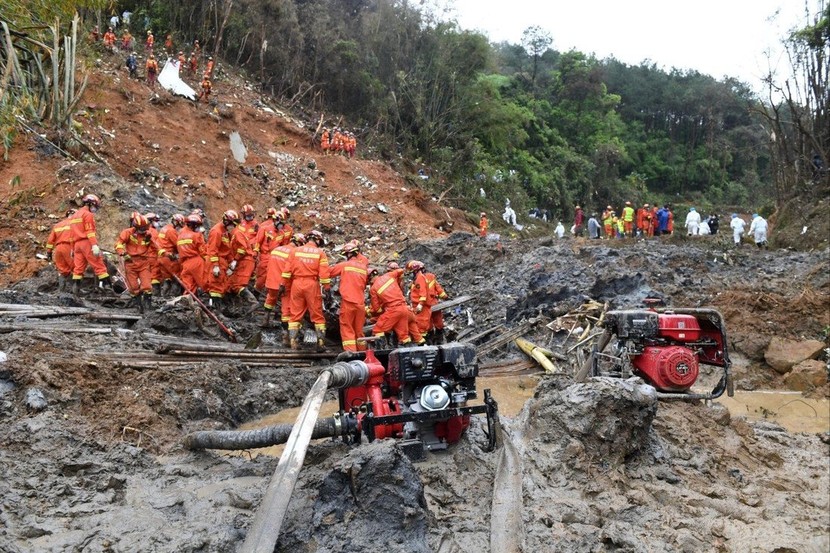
x=604, y=466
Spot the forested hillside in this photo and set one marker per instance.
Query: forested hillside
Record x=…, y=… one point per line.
x=522, y=121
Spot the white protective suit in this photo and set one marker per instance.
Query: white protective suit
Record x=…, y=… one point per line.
x=692, y=222
x=559, y=230
x=758, y=229
x=737, y=225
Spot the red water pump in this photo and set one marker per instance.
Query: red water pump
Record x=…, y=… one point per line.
x=419, y=395
x=665, y=348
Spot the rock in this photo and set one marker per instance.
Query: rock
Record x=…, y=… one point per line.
x=807, y=375
x=782, y=354
x=720, y=414
x=35, y=400
x=752, y=345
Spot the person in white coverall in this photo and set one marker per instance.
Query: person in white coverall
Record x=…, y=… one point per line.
x=692, y=222
x=737, y=225
x=758, y=229
x=559, y=230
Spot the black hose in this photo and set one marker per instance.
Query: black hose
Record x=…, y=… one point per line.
x=262, y=437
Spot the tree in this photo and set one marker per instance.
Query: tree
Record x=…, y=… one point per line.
x=536, y=42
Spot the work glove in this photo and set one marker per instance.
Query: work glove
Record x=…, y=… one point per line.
x=216, y=270
x=96, y=251
x=368, y=312
x=419, y=308
x=281, y=291
x=232, y=266
x=127, y=257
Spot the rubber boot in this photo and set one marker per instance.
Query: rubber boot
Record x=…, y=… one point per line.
x=294, y=339
x=61, y=283
x=147, y=300
x=76, y=287
x=321, y=341
x=266, y=321
x=246, y=295
x=286, y=340
x=105, y=283
x=439, y=337
x=136, y=302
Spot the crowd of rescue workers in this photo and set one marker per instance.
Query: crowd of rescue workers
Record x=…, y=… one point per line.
x=240, y=258
x=645, y=222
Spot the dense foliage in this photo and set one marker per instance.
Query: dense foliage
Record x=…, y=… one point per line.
x=520, y=121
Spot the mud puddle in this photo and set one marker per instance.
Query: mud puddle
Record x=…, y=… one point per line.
x=788, y=409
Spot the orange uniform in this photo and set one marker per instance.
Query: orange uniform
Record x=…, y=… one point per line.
x=279, y=275
x=152, y=68
x=109, y=39
x=168, y=264
x=151, y=41
x=209, y=68
x=325, y=141
x=386, y=300
x=207, y=87
x=435, y=294
x=155, y=269
x=219, y=254
x=138, y=250
x=243, y=253
x=284, y=232
x=59, y=245
x=483, y=225
x=265, y=241
x=353, y=277
x=308, y=271
x=83, y=232
x=418, y=301
x=191, y=247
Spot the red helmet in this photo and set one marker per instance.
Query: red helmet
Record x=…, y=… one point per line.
x=351, y=247
x=414, y=266
x=230, y=217
x=285, y=213
x=139, y=221
x=298, y=238
x=177, y=220
x=272, y=213
x=91, y=199
x=152, y=217
x=317, y=236
x=392, y=265
x=248, y=209
x=194, y=219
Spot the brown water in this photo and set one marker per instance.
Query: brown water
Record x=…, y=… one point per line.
x=788, y=409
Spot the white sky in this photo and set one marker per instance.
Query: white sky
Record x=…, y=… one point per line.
x=716, y=37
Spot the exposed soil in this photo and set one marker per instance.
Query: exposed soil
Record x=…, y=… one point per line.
x=92, y=445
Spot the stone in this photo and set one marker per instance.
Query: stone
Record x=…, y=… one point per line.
x=807, y=375
x=783, y=354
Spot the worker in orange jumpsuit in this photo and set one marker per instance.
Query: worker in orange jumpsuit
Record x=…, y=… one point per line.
x=387, y=303
x=127, y=41
x=193, y=63
x=209, y=68
x=154, y=220
x=94, y=34
x=86, y=250
x=152, y=68
x=182, y=62
x=642, y=215
x=220, y=256
x=284, y=229
x=191, y=247
x=136, y=247
x=670, y=224
x=418, y=294
x=168, y=254
x=653, y=222
x=325, y=141
x=352, y=145
x=435, y=295
x=109, y=39
x=59, y=249
x=197, y=48
x=278, y=283
x=628, y=219
x=264, y=242
x=150, y=42
x=608, y=222
x=353, y=274
x=168, y=44
x=483, y=225
x=309, y=270
x=207, y=88
x=242, y=264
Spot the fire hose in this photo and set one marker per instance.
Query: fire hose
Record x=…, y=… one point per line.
x=231, y=334
x=265, y=529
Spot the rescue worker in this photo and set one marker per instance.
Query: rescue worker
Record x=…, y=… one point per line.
x=209, y=68
x=220, y=256
x=309, y=270
x=152, y=68
x=559, y=231
x=670, y=224
x=628, y=220
x=182, y=62
x=168, y=264
x=132, y=65
x=692, y=222
x=197, y=48
x=737, y=225
x=243, y=262
x=154, y=220
x=593, y=227
x=150, y=42
x=662, y=221
x=483, y=225
x=354, y=275
x=278, y=283
x=193, y=63
x=325, y=141
x=126, y=41
x=758, y=229
x=136, y=247
x=435, y=295
x=109, y=39
x=59, y=249
x=608, y=222
x=86, y=250
x=191, y=248
x=579, y=221
x=351, y=145
x=94, y=34
x=168, y=44
x=387, y=303
x=714, y=223
x=206, y=87
x=654, y=221
x=284, y=229
x=418, y=295
x=264, y=242
x=643, y=215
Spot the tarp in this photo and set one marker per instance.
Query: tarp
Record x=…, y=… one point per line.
x=240, y=152
x=169, y=79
